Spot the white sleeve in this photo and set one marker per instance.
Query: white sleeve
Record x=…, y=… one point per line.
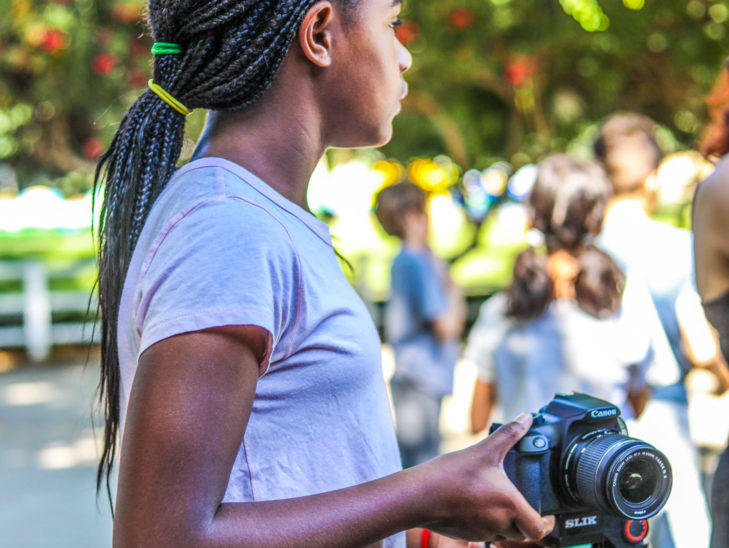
x=485, y=336
x=644, y=341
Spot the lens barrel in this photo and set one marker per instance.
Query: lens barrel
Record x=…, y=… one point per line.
x=621, y=475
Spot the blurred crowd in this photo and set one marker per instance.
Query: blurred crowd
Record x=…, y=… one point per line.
x=607, y=300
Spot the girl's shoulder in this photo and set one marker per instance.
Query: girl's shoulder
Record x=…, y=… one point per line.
x=217, y=198
x=201, y=223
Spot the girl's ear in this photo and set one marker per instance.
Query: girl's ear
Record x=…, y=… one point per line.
x=315, y=33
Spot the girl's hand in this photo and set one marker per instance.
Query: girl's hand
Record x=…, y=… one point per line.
x=473, y=497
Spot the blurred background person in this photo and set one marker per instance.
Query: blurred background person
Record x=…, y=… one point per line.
x=424, y=321
x=661, y=255
x=711, y=252
x=659, y=252
x=568, y=321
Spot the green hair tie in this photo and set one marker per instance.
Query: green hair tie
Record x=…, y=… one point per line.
x=166, y=48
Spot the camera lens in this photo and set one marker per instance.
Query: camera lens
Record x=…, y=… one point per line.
x=617, y=474
x=638, y=481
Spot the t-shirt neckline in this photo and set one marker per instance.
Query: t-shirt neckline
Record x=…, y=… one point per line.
x=316, y=225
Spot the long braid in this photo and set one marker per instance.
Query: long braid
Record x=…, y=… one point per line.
x=232, y=51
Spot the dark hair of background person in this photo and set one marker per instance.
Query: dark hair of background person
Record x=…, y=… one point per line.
x=627, y=148
x=531, y=289
x=568, y=200
x=231, y=51
x=567, y=205
x=599, y=283
x=394, y=202
x=716, y=140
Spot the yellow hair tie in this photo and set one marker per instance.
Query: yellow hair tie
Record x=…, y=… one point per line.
x=167, y=98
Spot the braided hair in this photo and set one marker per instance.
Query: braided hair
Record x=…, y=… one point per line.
x=231, y=52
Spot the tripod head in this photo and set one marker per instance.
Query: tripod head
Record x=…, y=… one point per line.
x=608, y=532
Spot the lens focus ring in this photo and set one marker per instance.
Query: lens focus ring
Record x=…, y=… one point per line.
x=587, y=481
x=621, y=475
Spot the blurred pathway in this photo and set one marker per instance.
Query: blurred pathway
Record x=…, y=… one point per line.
x=48, y=453
x=48, y=460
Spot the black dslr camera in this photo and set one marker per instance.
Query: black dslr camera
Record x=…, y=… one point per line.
x=577, y=463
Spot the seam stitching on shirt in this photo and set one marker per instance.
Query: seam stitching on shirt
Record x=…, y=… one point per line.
x=295, y=320
x=179, y=317
x=279, y=205
x=157, y=242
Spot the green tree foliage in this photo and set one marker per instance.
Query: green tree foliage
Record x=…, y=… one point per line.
x=516, y=79
x=68, y=70
x=492, y=79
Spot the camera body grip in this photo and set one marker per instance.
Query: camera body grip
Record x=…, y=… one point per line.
x=577, y=463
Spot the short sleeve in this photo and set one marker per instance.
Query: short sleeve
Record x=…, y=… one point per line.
x=226, y=262
x=644, y=342
x=695, y=327
x=485, y=336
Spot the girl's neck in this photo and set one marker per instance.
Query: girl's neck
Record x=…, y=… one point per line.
x=415, y=245
x=563, y=267
x=415, y=230
x=284, y=164
x=277, y=139
x=638, y=199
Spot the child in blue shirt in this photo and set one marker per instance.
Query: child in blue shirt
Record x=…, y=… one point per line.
x=424, y=320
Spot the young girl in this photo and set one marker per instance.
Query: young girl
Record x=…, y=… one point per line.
x=560, y=326
x=240, y=369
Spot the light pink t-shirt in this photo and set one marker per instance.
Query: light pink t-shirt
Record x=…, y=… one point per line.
x=220, y=247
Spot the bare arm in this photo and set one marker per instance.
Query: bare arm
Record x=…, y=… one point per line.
x=449, y=325
x=700, y=341
x=711, y=227
x=638, y=398
x=190, y=403
x=481, y=405
x=711, y=257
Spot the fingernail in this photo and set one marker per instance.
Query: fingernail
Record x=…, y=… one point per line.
x=524, y=418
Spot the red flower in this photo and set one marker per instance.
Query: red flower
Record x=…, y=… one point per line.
x=407, y=32
x=519, y=69
x=53, y=40
x=92, y=148
x=103, y=64
x=460, y=18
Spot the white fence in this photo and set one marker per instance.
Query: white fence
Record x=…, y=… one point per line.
x=27, y=315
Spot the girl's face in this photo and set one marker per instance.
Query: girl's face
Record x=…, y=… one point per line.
x=368, y=83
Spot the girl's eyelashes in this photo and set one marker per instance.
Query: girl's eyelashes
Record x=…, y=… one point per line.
x=396, y=23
